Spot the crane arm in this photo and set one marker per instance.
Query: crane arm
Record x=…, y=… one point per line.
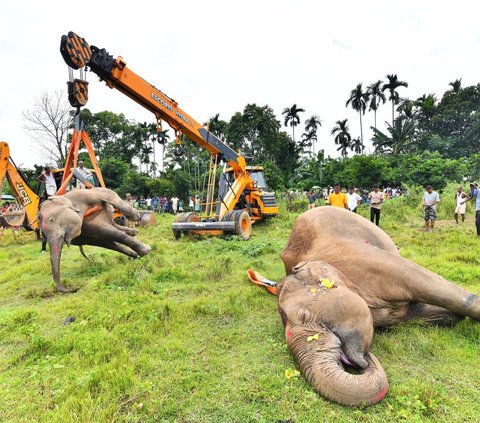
x=77, y=54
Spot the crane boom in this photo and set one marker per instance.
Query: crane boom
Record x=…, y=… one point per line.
x=241, y=189
x=77, y=53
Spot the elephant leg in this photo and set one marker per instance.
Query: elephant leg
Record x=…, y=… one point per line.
x=107, y=232
x=111, y=197
x=109, y=245
x=128, y=231
x=432, y=314
x=111, y=220
x=429, y=288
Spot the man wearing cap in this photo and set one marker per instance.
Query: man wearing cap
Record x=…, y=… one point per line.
x=84, y=172
x=430, y=201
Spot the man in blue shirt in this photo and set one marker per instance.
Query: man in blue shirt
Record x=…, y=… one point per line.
x=475, y=192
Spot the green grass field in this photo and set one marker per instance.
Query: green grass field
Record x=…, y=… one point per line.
x=181, y=336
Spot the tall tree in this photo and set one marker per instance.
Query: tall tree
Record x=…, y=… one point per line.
x=218, y=127
x=357, y=146
x=376, y=96
x=311, y=127
x=47, y=123
x=358, y=99
x=400, y=139
x=308, y=139
x=392, y=85
x=456, y=85
x=292, y=117
x=342, y=136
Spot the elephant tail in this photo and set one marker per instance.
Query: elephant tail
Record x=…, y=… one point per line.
x=319, y=355
x=260, y=280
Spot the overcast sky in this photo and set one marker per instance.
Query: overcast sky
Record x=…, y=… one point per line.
x=217, y=56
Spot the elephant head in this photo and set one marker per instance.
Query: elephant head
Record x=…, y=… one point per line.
x=60, y=222
x=329, y=330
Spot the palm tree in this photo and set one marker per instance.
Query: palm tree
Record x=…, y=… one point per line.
x=342, y=136
x=456, y=85
x=358, y=99
x=376, y=97
x=161, y=139
x=392, y=85
x=217, y=126
x=292, y=118
x=311, y=126
x=406, y=108
x=399, y=140
x=357, y=146
x=309, y=139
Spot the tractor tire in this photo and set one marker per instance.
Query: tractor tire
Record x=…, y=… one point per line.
x=243, y=224
x=185, y=217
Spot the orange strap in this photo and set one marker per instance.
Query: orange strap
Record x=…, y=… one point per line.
x=260, y=280
x=92, y=210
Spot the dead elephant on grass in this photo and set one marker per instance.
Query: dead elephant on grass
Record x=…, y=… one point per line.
x=345, y=277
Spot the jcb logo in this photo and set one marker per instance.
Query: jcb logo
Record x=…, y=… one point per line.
x=24, y=198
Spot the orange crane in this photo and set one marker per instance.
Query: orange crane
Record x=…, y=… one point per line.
x=26, y=198
x=242, y=196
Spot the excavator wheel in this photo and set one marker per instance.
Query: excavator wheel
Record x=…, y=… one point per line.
x=182, y=218
x=243, y=224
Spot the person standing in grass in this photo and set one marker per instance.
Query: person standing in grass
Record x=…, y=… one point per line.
x=430, y=201
x=475, y=193
x=337, y=198
x=353, y=199
x=460, y=199
x=311, y=199
x=376, y=200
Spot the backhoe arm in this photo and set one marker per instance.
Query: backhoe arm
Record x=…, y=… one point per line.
x=26, y=198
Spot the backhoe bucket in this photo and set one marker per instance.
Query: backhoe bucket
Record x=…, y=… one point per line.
x=147, y=218
x=12, y=218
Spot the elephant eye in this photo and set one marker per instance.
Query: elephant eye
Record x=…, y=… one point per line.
x=52, y=219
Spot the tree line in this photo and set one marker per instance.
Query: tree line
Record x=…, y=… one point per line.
x=441, y=131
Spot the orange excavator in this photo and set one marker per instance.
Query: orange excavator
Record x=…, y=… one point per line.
x=241, y=196
x=27, y=200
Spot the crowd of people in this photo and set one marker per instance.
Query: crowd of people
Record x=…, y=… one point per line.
x=163, y=204
x=353, y=197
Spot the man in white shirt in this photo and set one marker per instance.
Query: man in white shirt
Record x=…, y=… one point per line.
x=430, y=201
x=353, y=200
x=84, y=172
x=48, y=179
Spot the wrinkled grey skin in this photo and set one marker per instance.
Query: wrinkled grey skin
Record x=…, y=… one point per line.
x=62, y=222
x=374, y=287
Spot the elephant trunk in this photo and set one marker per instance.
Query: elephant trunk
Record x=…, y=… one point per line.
x=320, y=362
x=56, y=245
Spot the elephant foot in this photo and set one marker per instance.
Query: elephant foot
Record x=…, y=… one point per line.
x=64, y=290
x=144, y=250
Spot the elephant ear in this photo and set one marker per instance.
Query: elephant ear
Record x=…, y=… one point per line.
x=298, y=266
x=74, y=209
